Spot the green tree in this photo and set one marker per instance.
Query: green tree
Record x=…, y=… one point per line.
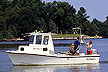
x=43, y=25
x=98, y=25
x=62, y=14
x=93, y=29
x=2, y=25
x=3, y=5
x=23, y=16
x=104, y=28
x=52, y=26
x=83, y=21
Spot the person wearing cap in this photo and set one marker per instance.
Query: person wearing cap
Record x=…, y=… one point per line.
x=89, y=49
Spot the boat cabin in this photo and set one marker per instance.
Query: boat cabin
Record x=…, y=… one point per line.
x=39, y=43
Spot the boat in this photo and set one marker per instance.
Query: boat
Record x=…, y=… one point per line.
x=40, y=51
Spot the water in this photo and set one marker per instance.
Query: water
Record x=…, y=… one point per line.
x=100, y=44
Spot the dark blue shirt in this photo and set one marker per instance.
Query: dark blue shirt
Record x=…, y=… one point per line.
x=76, y=43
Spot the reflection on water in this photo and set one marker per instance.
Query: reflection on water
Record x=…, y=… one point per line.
x=57, y=68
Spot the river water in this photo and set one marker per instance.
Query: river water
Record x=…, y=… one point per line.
x=100, y=44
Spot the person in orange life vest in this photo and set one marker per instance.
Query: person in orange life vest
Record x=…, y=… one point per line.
x=89, y=49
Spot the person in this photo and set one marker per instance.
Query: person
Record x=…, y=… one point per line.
x=75, y=46
x=89, y=49
x=45, y=41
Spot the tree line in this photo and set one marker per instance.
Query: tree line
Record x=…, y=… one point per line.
x=22, y=16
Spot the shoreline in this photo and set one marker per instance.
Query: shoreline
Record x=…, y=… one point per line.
x=58, y=38
x=73, y=38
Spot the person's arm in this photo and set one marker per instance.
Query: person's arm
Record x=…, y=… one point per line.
x=77, y=48
x=88, y=47
x=72, y=46
x=85, y=42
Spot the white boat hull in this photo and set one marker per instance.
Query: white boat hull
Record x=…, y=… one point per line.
x=34, y=59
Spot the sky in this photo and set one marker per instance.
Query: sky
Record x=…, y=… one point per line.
x=95, y=8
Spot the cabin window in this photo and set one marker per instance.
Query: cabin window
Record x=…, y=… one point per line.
x=31, y=39
x=38, y=39
x=22, y=49
x=45, y=40
x=45, y=49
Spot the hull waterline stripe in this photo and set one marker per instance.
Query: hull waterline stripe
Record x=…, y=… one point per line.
x=50, y=64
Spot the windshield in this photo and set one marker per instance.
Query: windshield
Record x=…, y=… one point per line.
x=31, y=39
x=38, y=39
